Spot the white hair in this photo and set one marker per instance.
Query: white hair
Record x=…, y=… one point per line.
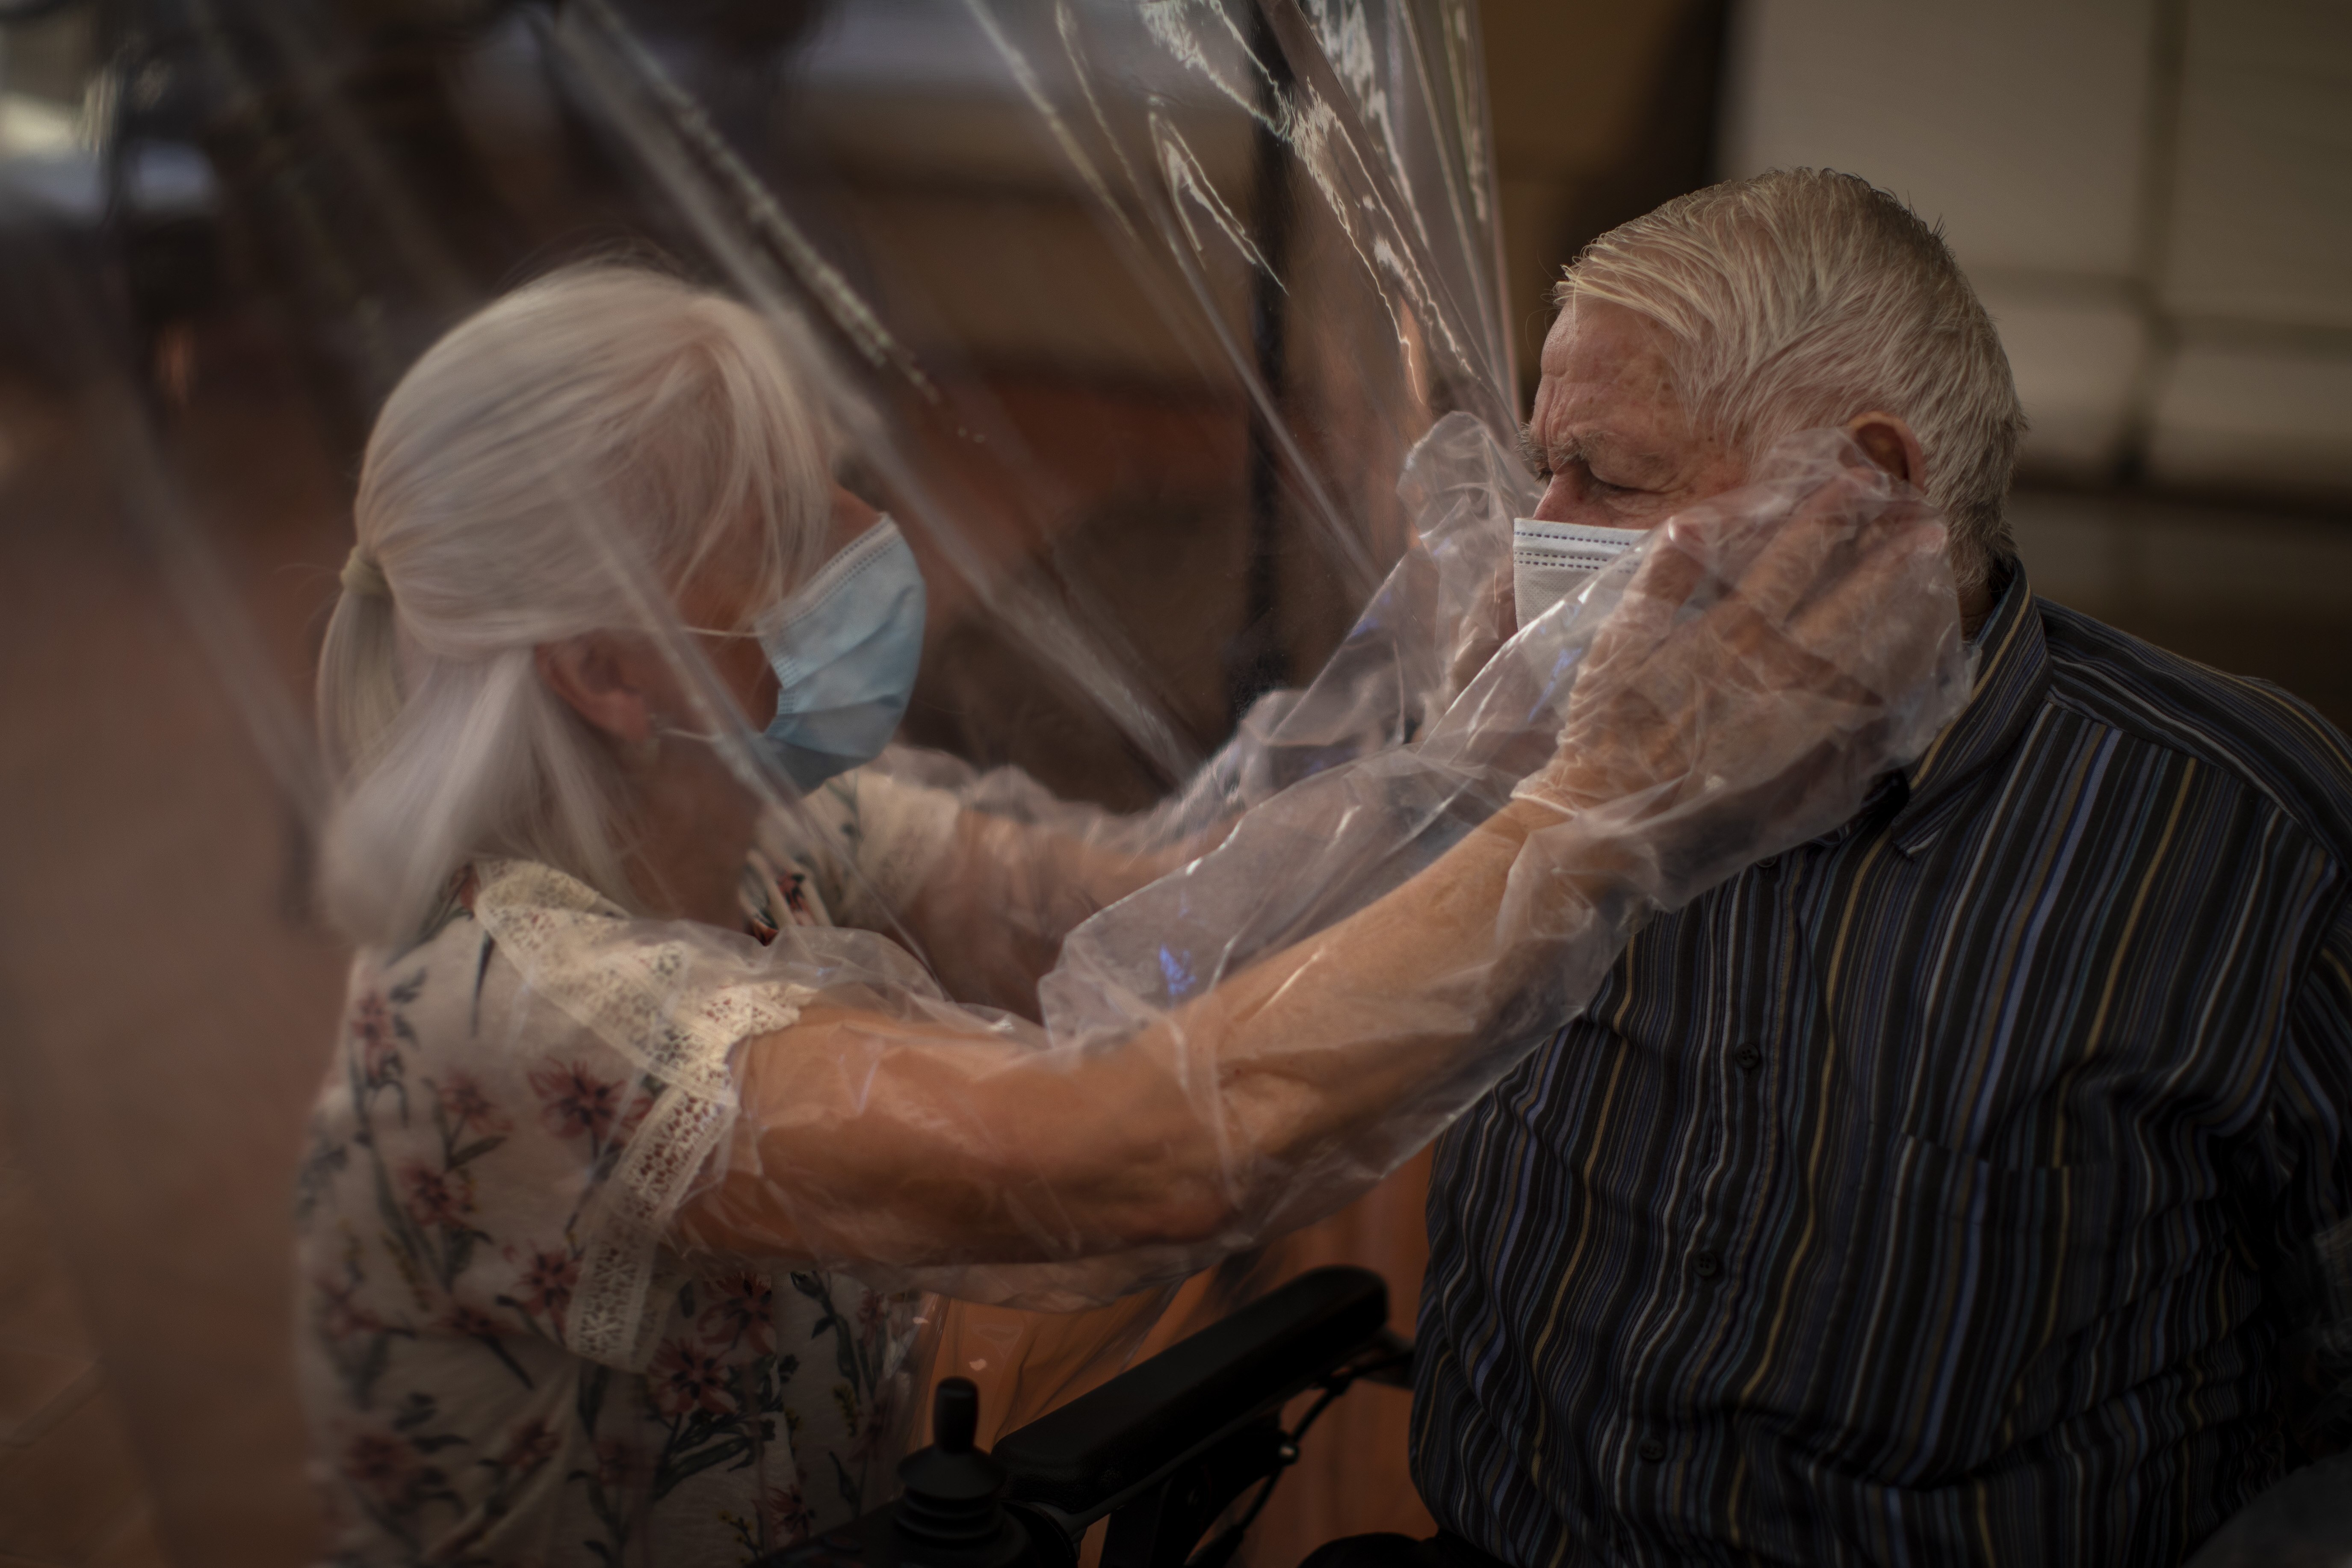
x=598, y=397
x=1803, y=298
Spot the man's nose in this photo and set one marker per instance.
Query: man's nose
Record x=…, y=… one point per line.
x=1557, y=504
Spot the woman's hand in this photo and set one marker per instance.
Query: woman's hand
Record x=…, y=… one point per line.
x=1753, y=653
x=1492, y=622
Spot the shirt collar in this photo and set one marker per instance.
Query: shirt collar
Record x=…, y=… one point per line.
x=2012, y=673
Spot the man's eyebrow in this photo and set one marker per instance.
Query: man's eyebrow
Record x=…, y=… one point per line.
x=1633, y=464
x=1537, y=458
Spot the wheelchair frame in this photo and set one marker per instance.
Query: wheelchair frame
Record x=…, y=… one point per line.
x=1161, y=1451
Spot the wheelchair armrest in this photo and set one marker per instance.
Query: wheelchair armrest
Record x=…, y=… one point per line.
x=1085, y=1458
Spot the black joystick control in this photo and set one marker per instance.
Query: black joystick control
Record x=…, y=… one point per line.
x=948, y=1515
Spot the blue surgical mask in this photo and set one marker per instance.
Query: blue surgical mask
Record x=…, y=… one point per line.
x=844, y=646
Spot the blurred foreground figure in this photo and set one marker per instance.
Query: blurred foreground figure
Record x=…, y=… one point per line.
x=1971, y=1182
x=646, y=1117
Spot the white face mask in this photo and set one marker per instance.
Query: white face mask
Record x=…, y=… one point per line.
x=1554, y=561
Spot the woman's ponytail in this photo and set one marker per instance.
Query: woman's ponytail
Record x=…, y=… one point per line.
x=358, y=671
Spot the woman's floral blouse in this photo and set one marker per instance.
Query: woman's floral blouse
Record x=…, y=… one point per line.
x=502, y=1364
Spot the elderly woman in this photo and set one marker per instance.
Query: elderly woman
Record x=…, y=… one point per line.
x=635, y=1137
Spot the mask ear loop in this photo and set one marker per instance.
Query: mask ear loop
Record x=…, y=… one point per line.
x=663, y=727
x=757, y=773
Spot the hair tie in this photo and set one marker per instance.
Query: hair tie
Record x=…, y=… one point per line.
x=363, y=578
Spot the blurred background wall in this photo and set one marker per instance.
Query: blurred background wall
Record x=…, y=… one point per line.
x=2152, y=197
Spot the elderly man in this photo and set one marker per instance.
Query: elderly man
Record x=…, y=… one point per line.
x=1959, y=1186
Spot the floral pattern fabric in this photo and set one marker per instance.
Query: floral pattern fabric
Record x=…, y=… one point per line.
x=503, y=1366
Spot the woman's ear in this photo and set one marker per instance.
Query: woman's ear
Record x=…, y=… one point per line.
x=1886, y=440
x=595, y=674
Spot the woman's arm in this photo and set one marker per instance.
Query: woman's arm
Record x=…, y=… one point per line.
x=1743, y=697
x=923, y=1143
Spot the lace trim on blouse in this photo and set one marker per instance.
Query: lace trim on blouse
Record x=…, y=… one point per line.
x=639, y=995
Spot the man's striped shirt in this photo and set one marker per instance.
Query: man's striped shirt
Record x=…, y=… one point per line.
x=1950, y=1189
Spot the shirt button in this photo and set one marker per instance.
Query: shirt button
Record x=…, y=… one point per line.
x=1767, y=863
x=1748, y=1058
x=1706, y=1265
x=1652, y=1449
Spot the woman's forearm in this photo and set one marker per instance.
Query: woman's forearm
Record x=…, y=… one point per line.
x=1313, y=1043
x=920, y=1143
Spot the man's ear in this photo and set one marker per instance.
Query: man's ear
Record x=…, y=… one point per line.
x=595, y=675
x=1886, y=440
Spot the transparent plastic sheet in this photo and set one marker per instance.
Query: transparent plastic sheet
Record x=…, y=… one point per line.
x=1004, y=1018
x=1720, y=719
x=1234, y=163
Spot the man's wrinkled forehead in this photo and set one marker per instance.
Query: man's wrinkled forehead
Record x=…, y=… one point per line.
x=1600, y=344
x=1608, y=386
